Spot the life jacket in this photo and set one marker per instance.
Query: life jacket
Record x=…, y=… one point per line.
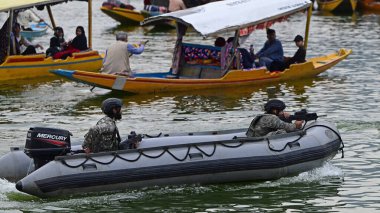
x=251, y=128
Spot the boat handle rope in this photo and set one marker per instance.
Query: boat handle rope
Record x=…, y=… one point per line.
x=336, y=133
x=286, y=145
x=89, y=158
x=166, y=150
x=153, y=136
x=319, y=125
x=141, y=153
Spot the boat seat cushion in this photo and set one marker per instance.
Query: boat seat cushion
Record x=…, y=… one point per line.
x=201, y=54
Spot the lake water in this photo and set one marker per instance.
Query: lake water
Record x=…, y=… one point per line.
x=348, y=95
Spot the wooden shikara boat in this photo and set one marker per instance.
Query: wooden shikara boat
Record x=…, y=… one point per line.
x=132, y=17
x=125, y=16
x=30, y=66
x=164, y=82
x=186, y=75
x=339, y=6
x=33, y=66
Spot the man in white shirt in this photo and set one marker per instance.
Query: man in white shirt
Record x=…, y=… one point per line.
x=21, y=45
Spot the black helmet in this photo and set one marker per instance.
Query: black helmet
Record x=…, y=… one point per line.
x=109, y=104
x=274, y=104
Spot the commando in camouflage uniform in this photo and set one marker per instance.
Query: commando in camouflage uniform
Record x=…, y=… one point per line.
x=102, y=137
x=268, y=124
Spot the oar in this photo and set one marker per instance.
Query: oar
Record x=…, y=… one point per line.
x=41, y=19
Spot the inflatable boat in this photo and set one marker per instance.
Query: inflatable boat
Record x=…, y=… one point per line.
x=49, y=166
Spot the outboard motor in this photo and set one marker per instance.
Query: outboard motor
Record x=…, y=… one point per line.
x=43, y=144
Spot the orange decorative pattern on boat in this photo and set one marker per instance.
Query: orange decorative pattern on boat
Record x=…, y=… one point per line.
x=85, y=54
x=25, y=59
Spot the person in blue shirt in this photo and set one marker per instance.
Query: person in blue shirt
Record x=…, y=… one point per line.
x=272, y=50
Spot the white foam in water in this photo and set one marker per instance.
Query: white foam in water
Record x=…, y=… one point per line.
x=315, y=175
x=6, y=187
x=327, y=170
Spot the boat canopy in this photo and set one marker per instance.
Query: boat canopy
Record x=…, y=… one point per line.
x=24, y=4
x=232, y=15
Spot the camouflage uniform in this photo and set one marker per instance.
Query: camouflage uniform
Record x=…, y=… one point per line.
x=268, y=124
x=102, y=137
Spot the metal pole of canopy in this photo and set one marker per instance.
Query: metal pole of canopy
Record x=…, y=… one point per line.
x=90, y=24
x=51, y=16
x=309, y=12
x=10, y=24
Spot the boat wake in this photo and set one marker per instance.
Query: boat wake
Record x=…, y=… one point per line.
x=5, y=188
x=318, y=175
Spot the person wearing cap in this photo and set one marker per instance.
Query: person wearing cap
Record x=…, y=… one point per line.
x=271, y=123
x=104, y=136
x=299, y=56
x=116, y=60
x=272, y=50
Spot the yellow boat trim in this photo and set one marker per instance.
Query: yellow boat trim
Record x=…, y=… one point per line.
x=334, y=4
x=119, y=14
x=328, y=5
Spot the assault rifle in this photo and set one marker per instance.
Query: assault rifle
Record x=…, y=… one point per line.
x=132, y=142
x=301, y=115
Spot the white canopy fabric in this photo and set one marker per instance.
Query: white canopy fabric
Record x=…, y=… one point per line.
x=6, y=5
x=231, y=15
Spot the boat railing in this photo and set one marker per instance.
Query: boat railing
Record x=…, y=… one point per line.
x=234, y=142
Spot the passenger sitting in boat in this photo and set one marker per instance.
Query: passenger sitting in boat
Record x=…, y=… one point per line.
x=21, y=45
x=246, y=57
x=57, y=42
x=175, y=5
x=272, y=50
x=299, y=57
x=270, y=123
x=221, y=42
x=25, y=17
x=79, y=43
x=118, y=3
x=80, y=40
x=104, y=136
x=116, y=60
x=154, y=9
